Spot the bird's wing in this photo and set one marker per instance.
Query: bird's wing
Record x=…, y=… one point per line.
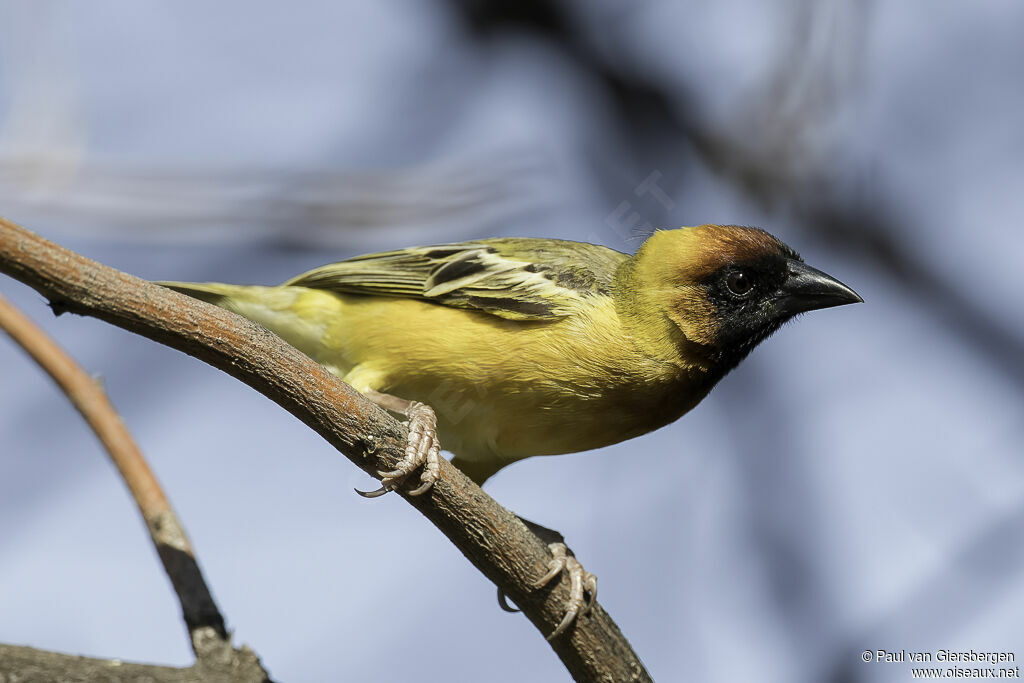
x=517, y=279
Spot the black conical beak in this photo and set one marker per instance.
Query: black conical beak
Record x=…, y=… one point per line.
x=808, y=289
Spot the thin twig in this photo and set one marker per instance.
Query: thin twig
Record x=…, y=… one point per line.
x=205, y=624
x=490, y=536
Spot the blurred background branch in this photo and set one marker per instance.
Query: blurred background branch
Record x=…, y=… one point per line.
x=207, y=632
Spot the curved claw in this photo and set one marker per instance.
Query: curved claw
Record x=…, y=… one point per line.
x=503, y=603
x=570, y=615
x=422, y=488
x=373, y=494
x=554, y=569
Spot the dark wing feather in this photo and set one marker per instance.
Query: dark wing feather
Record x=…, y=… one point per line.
x=518, y=279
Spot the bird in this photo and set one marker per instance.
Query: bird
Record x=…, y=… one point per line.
x=506, y=348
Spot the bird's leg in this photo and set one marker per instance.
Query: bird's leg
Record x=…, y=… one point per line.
x=582, y=584
x=549, y=536
x=422, y=450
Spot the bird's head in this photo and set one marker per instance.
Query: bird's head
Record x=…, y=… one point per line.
x=727, y=288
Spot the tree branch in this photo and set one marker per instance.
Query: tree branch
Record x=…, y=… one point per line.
x=29, y=665
x=207, y=634
x=491, y=537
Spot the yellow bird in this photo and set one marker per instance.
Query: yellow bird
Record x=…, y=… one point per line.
x=524, y=347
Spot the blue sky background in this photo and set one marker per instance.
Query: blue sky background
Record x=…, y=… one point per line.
x=856, y=484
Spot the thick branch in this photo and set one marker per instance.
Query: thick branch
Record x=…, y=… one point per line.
x=490, y=536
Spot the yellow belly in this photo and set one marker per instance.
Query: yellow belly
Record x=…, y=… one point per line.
x=502, y=389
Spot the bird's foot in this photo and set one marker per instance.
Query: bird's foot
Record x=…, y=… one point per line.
x=581, y=583
x=422, y=450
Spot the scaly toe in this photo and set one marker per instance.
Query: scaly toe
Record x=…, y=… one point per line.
x=581, y=584
x=590, y=586
x=555, y=566
x=422, y=450
x=401, y=472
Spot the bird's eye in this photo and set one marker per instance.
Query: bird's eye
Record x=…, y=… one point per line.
x=739, y=283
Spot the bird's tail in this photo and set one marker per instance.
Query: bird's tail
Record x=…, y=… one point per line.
x=210, y=292
x=298, y=315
